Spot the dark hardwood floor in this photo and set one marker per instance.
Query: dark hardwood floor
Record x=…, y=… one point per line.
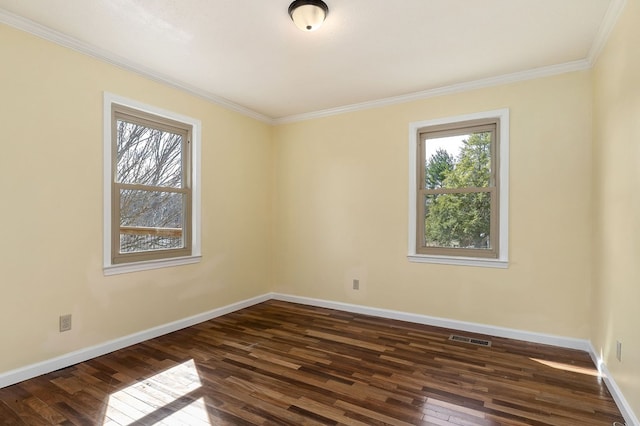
x=279, y=363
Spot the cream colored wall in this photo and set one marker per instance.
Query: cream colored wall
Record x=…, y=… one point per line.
x=51, y=208
x=616, y=301
x=342, y=198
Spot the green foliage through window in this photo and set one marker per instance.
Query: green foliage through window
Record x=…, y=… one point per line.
x=458, y=190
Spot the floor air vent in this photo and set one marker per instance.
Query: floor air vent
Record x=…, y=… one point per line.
x=463, y=339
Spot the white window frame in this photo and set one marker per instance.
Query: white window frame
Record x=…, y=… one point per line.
x=502, y=261
x=110, y=268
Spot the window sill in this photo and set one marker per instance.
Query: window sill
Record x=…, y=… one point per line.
x=150, y=264
x=460, y=261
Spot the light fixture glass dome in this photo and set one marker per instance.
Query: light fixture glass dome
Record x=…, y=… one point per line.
x=308, y=15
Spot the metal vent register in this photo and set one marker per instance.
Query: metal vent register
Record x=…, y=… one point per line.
x=471, y=340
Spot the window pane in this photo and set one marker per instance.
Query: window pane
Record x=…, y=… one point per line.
x=148, y=156
x=458, y=220
x=150, y=220
x=461, y=161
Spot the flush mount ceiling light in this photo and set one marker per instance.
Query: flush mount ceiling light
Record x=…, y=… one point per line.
x=308, y=15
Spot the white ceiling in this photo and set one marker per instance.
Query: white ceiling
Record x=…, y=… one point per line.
x=248, y=55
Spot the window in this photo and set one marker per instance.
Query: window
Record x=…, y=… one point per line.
x=151, y=192
x=459, y=190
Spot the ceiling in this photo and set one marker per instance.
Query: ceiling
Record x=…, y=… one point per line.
x=249, y=56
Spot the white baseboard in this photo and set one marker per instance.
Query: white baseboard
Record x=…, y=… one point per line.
x=66, y=360
x=547, y=339
x=623, y=405
x=34, y=370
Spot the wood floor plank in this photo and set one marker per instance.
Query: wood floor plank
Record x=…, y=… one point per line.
x=8, y=416
x=278, y=363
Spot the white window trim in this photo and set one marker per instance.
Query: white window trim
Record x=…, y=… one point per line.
x=503, y=175
x=108, y=267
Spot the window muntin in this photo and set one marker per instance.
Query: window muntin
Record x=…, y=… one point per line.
x=457, y=196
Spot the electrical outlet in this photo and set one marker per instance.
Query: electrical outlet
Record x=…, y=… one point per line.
x=356, y=284
x=618, y=350
x=65, y=322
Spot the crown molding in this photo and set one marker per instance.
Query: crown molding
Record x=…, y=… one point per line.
x=532, y=74
x=64, y=40
x=608, y=23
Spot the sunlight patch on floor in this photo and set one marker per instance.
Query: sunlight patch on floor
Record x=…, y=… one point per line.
x=194, y=414
x=568, y=367
x=166, y=398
